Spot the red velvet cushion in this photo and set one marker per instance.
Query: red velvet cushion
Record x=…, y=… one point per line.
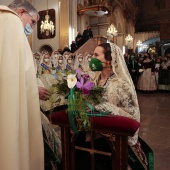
x=117, y=123
x=111, y=122
x=59, y=117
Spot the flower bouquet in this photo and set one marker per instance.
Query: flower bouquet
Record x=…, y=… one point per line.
x=82, y=95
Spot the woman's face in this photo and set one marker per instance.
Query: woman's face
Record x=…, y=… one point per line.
x=56, y=53
x=165, y=59
x=38, y=57
x=80, y=58
x=146, y=55
x=66, y=55
x=60, y=60
x=89, y=58
x=99, y=54
x=46, y=58
x=69, y=60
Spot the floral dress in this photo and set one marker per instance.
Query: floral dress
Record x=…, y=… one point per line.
x=147, y=80
x=121, y=99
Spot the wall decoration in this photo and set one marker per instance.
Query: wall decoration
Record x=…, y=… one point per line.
x=46, y=24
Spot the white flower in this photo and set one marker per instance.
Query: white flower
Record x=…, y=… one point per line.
x=71, y=80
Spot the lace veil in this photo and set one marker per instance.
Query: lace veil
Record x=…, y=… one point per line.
x=42, y=60
x=76, y=62
x=118, y=64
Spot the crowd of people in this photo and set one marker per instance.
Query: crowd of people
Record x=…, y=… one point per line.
x=81, y=39
x=149, y=72
x=28, y=141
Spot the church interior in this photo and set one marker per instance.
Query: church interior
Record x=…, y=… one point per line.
x=137, y=27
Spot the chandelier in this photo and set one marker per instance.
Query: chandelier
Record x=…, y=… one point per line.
x=129, y=38
x=47, y=26
x=139, y=43
x=145, y=46
x=111, y=31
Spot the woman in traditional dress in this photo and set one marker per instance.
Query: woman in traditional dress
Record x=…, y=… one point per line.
x=69, y=63
x=36, y=58
x=52, y=143
x=60, y=64
x=147, y=80
x=66, y=54
x=79, y=62
x=164, y=75
x=45, y=65
x=157, y=67
x=120, y=95
x=87, y=59
x=46, y=79
x=54, y=58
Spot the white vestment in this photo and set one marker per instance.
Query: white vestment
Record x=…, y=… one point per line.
x=21, y=140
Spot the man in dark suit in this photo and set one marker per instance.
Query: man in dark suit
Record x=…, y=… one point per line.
x=133, y=68
x=79, y=40
x=74, y=47
x=87, y=34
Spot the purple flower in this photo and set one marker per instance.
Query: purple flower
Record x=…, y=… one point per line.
x=78, y=72
x=86, y=77
x=85, y=87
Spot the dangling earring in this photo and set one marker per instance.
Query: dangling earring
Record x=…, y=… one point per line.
x=109, y=66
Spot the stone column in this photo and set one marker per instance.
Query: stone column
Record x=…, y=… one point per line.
x=63, y=23
x=73, y=20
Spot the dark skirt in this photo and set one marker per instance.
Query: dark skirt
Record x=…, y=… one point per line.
x=164, y=77
x=164, y=80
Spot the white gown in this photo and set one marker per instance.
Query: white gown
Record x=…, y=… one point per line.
x=21, y=141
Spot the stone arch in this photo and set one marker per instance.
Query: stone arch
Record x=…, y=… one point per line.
x=46, y=47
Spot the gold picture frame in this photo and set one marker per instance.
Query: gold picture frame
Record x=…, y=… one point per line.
x=46, y=34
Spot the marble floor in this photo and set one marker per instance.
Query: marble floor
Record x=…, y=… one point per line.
x=155, y=125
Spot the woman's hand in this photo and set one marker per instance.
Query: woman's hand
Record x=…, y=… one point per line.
x=43, y=93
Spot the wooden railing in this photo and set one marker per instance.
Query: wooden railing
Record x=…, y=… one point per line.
x=90, y=45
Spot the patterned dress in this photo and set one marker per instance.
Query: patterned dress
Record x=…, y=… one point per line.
x=147, y=80
x=121, y=100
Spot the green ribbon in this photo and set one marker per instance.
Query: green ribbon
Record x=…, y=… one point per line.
x=55, y=142
x=85, y=123
x=72, y=112
x=90, y=114
x=50, y=152
x=149, y=153
x=134, y=161
x=90, y=107
x=97, y=114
